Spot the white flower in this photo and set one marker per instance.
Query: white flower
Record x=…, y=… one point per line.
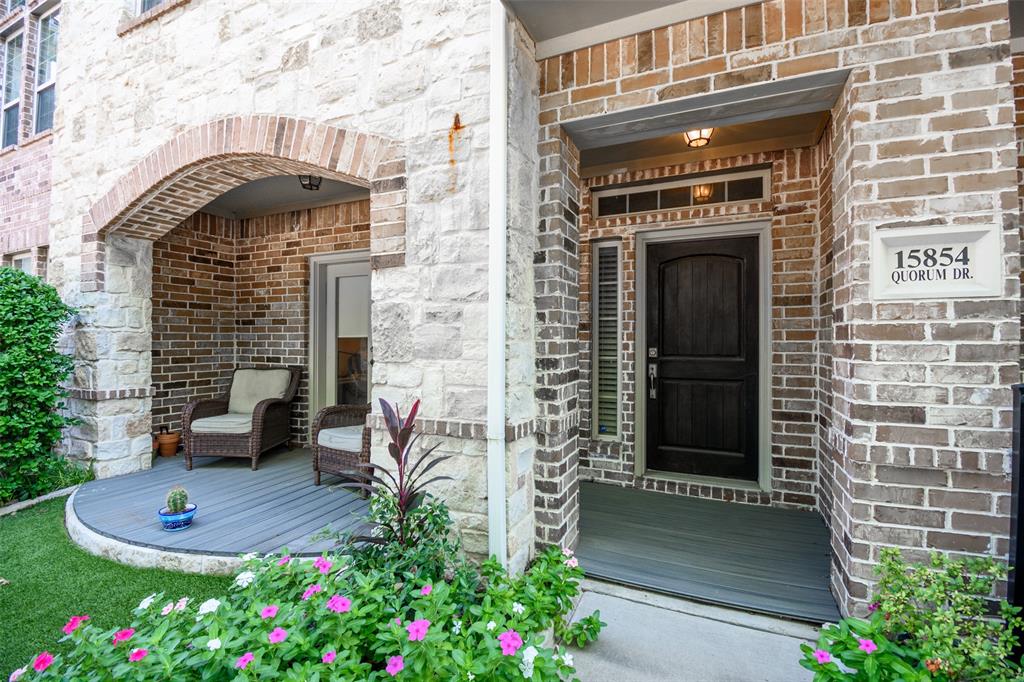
x=208, y=606
x=457, y=626
x=518, y=608
x=249, y=556
x=526, y=667
x=470, y=676
x=147, y=602
x=491, y=625
x=18, y=673
x=213, y=644
x=244, y=579
x=567, y=659
x=182, y=603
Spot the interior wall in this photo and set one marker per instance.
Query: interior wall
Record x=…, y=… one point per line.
x=235, y=293
x=792, y=210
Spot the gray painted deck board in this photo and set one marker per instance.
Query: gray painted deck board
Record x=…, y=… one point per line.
x=769, y=560
x=240, y=510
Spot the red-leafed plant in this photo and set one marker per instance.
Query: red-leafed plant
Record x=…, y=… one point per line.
x=402, y=484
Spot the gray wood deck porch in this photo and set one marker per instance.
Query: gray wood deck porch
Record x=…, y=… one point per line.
x=773, y=561
x=240, y=510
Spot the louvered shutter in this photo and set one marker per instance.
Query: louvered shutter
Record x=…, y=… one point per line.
x=606, y=340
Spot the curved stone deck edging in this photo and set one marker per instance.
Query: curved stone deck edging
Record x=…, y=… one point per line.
x=144, y=557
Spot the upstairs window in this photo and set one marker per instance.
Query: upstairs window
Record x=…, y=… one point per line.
x=46, y=70
x=606, y=339
x=693, y=191
x=11, y=91
x=13, y=4
x=146, y=5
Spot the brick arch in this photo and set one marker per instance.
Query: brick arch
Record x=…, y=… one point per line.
x=199, y=164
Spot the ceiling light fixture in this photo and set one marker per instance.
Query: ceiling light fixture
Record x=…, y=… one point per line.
x=310, y=182
x=701, y=137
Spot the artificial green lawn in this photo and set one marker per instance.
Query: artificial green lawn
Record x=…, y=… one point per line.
x=51, y=579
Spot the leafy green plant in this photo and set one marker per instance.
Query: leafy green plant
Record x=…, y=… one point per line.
x=32, y=374
x=929, y=622
x=582, y=632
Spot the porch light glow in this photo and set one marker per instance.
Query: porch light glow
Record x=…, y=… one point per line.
x=700, y=137
x=310, y=182
x=701, y=193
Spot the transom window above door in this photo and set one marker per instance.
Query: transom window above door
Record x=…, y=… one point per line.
x=686, y=191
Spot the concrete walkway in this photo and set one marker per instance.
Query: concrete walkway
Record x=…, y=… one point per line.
x=651, y=638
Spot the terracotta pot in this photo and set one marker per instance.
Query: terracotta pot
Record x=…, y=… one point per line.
x=168, y=443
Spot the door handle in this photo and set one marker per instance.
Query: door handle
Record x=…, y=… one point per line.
x=652, y=380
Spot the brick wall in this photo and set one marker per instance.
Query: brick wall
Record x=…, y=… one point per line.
x=923, y=134
x=792, y=211
x=25, y=188
x=230, y=293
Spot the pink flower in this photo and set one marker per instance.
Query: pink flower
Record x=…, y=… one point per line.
x=395, y=665
x=510, y=642
x=244, y=660
x=182, y=603
x=867, y=646
x=322, y=565
x=268, y=612
x=310, y=591
x=283, y=560
x=329, y=657
x=872, y=607
x=137, y=655
x=277, y=635
x=572, y=562
x=167, y=609
x=822, y=656
x=398, y=621
x=566, y=552
x=16, y=675
x=426, y=589
x=339, y=604
x=73, y=624
x=123, y=635
x=417, y=630
x=42, y=661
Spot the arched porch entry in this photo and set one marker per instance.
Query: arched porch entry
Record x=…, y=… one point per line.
x=113, y=382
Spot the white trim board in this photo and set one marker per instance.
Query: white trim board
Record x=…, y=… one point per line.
x=762, y=229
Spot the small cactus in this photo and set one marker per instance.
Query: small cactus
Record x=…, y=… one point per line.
x=177, y=500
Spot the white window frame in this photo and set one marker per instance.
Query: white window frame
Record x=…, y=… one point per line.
x=52, y=83
x=594, y=341
x=4, y=106
x=140, y=10
x=689, y=181
x=26, y=256
x=9, y=5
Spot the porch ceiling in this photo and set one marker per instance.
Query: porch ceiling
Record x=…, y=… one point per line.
x=280, y=193
x=765, y=101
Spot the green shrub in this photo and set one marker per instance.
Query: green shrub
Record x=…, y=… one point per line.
x=928, y=622
x=32, y=372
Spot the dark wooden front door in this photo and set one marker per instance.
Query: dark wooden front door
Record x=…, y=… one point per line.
x=702, y=357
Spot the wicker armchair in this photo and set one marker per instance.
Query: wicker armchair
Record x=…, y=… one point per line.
x=252, y=417
x=341, y=440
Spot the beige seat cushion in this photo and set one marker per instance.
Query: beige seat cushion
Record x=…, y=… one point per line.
x=223, y=423
x=250, y=386
x=348, y=438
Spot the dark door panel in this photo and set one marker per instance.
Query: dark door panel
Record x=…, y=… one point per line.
x=702, y=354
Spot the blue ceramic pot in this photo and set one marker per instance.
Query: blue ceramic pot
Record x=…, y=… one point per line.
x=179, y=521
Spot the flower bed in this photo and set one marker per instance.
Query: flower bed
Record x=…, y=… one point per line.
x=295, y=620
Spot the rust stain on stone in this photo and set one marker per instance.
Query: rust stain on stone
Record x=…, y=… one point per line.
x=453, y=133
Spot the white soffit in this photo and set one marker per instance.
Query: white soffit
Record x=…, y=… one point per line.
x=560, y=26
x=787, y=97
